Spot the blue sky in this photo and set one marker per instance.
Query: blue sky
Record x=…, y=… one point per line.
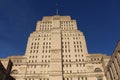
x=98, y=19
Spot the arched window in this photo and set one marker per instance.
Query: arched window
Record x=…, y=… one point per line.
x=97, y=70
x=14, y=72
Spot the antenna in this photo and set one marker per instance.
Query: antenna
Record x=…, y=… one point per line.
x=56, y=9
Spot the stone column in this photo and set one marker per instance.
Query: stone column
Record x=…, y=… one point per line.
x=118, y=59
x=112, y=76
x=114, y=71
x=117, y=67
x=108, y=76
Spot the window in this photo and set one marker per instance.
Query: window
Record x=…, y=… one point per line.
x=69, y=50
x=76, y=65
x=81, y=50
x=75, y=50
x=67, y=78
x=82, y=55
x=80, y=60
x=14, y=72
x=83, y=65
x=99, y=78
x=82, y=78
x=75, y=55
x=97, y=70
x=83, y=60
x=76, y=60
x=80, y=46
x=69, y=55
x=78, y=50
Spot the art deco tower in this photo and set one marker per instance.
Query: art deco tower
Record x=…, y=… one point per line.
x=56, y=50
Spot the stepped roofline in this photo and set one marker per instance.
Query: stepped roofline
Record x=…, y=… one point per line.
x=47, y=18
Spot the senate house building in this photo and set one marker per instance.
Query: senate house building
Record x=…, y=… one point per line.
x=57, y=50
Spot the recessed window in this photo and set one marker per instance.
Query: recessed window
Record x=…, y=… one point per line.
x=97, y=70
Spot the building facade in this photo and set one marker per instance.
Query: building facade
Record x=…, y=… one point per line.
x=112, y=70
x=57, y=50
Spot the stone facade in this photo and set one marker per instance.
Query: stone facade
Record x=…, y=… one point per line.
x=112, y=70
x=57, y=50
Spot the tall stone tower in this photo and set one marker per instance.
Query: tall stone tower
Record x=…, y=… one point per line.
x=55, y=48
